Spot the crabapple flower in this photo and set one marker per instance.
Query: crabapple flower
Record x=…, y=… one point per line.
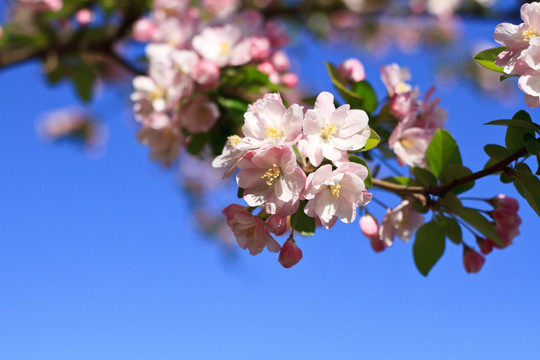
x=335, y=194
x=330, y=132
x=394, y=78
x=277, y=224
x=267, y=122
x=472, y=260
x=199, y=115
x=502, y=201
x=249, y=230
x=290, y=254
x=352, y=70
x=400, y=222
x=43, y=5
x=270, y=177
x=144, y=30
x=163, y=136
x=410, y=145
x=206, y=74
x=85, y=16
x=222, y=45
x=235, y=148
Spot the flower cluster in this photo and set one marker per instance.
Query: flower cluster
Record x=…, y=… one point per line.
x=275, y=174
x=506, y=222
x=521, y=57
x=417, y=119
x=187, y=52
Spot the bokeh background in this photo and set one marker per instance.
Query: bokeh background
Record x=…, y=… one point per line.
x=100, y=257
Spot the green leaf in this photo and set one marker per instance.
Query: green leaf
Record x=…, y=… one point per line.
x=451, y=227
x=455, y=171
x=402, y=180
x=451, y=202
x=514, y=136
x=538, y=168
x=356, y=159
x=428, y=246
x=367, y=93
x=487, y=58
x=532, y=144
x=301, y=222
x=424, y=176
x=356, y=101
x=528, y=185
x=84, y=81
x=520, y=124
x=197, y=143
x=441, y=152
x=480, y=223
x=373, y=140
x=496, y=152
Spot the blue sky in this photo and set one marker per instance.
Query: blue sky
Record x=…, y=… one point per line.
x=99, y=259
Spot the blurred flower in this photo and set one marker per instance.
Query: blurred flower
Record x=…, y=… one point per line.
x=472, y=260
x=290, y=254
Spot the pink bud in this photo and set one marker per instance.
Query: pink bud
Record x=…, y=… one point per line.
x=259, y=47
x=206, y=73
x=502, y=201
x=281, y=61
x=290, y=254
x=472, y=260
x=485, y=245
x=290, y=80
x=369, y=226
x=377, y=244
x=506, y=219
x=352, y=70
x=144, y=30
x=277, y=224
x=84, y=16
x=266, y=67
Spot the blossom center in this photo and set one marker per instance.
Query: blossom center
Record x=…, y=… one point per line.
x=407, y=142
x=273, y=132
x=157, y=93
x=271, y=175
x=529, y=33
x=234, y=139
x=327, y=131
x=224, y=48
x=335, y=189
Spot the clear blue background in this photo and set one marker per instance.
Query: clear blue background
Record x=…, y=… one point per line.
x=99, y=259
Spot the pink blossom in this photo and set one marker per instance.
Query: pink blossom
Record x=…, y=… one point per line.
x=290, y=254
x=235, y=148
x=410, y=145
x=290, y=80
x=352, y=70
x=249, y=230
x=277, y=224
x=330, y=132
x=506, y=218
x=266, y=67
x=335, y=194
x=281, y=61
x=144, y=30
x=369, y=226
x=267, y=122
x=199, y=115
x=206, y=74
x=394, y=78
x=271, y=177
x=472, y=260
x=84, y=16
x=377, y=244
x=223, y=45
x=221, y=8
x=402, y=221
x=485, y=245
x=259, y=47
x=502, y=201
x=163, y=136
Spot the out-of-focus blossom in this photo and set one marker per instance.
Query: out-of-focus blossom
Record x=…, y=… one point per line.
x=221, y=8
x=223, y=45
x=335, y=194
x=472, y=260
x=84, y=16
x=271, y=178
x=289, y=80
x=402, y=221
x=290, y=254
x=369, y=226
x=502, y=201
x=277, y=224
x=330, y=132
x=206, y=74
x=352, y=70
x=394, y=78
x=43, y=5
x=249, y=230
x=199, y=115
x=163, y=136
x=144, y=30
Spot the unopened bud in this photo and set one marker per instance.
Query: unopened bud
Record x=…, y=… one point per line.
x=290, y=254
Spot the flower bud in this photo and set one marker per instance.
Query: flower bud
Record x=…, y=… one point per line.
x=369, y=226
x=472, y=260
x=277, y=224
x=290, y=254
x=377, y=244
x=84, y=16
x=290, y=80
x=502, y=201
x=485, y=245
x=352, y=70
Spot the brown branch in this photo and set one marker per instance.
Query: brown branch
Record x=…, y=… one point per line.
x=441, y=190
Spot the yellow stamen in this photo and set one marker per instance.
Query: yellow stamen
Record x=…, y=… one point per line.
x=335, y=189
x=529, y=33
x=234, y=139
x=407, y=142
x=224, y=48
x=402, y=87
x=273, y=132
x=328, y=131
x=271, y=175
x=158, y=93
